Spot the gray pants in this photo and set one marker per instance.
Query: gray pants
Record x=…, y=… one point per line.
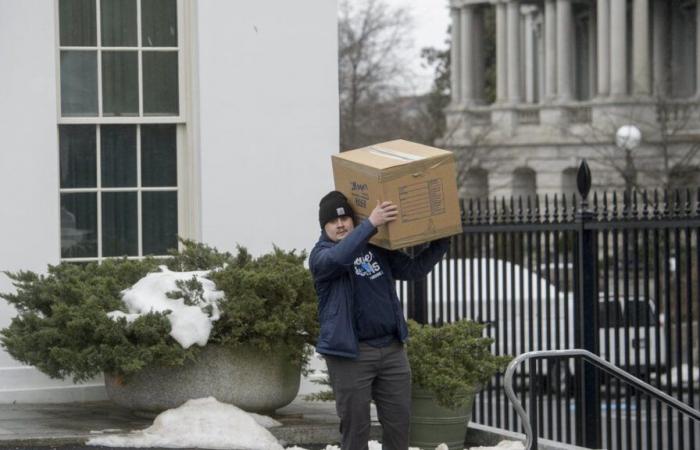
x=379, y=374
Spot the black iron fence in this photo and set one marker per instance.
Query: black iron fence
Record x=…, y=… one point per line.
x=616, y=275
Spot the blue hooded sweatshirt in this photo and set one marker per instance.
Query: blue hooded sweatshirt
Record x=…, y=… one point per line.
x=355, y=284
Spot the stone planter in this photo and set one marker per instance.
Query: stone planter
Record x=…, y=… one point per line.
x=245, y=377
x=431, y=424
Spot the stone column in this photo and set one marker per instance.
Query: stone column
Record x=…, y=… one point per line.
x=529, y=56
x=618, y=48
x=478, y=62
x=514, y=79
x=660, y=48
x=540, y=43
x=467, y=56
x=641, y=67
x=592, y=57
x=455, y=55
x=697, y=50
x=565, y=30
x=603, y=48
x=501, y=54
x=550, y=51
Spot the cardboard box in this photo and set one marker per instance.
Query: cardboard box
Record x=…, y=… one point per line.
x=420, y=179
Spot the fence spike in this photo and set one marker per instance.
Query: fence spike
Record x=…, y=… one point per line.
x=676, y=202
x=615, y=211
x=583, y=179
x=546, y=208
x=485, y=218
x=470, y=216
x=555, y=214
x=645, y=207
x=564, y=212
x=697, y=201
x=504, y=216
x=512, y=209
x=595, y=204
x=688, y=201
x=655, y=209
x=520, y=208
x=635, y=209
x=605, y=206
x=495, y=209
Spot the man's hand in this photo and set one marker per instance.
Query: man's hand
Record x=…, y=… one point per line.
x=384, y=212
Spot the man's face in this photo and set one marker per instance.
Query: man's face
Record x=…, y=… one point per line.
x=338, y=228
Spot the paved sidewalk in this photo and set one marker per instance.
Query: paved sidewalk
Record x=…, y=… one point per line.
x=307, y=424
x=23, y=425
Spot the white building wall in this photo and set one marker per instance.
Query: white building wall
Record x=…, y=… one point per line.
x=29, y=212
x=267, y=122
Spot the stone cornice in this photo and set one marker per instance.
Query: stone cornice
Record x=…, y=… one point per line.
x=464, y=3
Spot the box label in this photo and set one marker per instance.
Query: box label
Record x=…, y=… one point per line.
x=420, y=200
x=360, y=194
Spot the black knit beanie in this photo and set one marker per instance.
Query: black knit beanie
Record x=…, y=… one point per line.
x=333, y=205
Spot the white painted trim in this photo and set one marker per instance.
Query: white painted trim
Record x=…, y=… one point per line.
x=62, y=394
x=123, y=120
x=98, y=42
x=25, y=379
x=187, y=188
x=189, y=177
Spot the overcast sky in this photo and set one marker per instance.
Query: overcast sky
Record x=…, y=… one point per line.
x=430, y=18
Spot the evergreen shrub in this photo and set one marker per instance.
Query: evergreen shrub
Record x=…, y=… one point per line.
x=452, y=360
x=62, y=326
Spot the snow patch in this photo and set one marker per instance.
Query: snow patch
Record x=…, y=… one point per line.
x=205, y=423
x=189, y=324
x=503, y=445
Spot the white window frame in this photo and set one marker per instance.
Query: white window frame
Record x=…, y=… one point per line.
x=187, y=163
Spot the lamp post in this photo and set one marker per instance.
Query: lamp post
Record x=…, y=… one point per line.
x=627, y=138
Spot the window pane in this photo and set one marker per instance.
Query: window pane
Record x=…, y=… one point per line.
x=158, y=155
x=120, y=86
x=79, y=83
x=79, y=225
x=159, y=222
x=639, y=313
x=609, y=314
x=118, y=155
x=159, y=23
x=118, y=23
x=77, y=149
x=77, y=22
x=119, y=224
x=160, y=87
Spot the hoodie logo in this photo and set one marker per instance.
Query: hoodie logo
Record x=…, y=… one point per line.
x=366, y=266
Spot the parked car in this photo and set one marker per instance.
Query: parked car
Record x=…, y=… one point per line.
x=637, y=323
x=526, y=312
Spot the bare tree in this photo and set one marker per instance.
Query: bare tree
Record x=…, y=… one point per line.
x=668, y=131
x=372, y=38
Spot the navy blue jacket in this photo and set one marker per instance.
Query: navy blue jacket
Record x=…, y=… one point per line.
x=331, y=264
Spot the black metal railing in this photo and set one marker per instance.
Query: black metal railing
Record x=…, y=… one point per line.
x=616, y=275
x=530, y=422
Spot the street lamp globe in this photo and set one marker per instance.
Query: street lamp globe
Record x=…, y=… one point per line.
x=628, y=137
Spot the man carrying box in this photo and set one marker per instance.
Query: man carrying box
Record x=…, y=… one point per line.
x=362, y=325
